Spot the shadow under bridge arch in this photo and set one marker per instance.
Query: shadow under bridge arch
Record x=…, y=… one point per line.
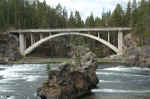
x=38, y=43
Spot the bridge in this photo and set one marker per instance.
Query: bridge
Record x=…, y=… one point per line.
x=48, y=34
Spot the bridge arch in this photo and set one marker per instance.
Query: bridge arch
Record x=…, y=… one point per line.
x=38, y=43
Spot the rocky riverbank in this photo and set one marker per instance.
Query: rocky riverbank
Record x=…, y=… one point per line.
x=139, y=56
x=8, y=48
x=73, y=80
x=135, y=55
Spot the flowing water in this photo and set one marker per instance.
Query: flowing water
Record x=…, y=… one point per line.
x=115, y=81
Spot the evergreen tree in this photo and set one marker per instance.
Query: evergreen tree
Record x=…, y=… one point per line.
x=43, y=15
x=142, y=23
x=35, y=16
x=117, y=16
x=134, y=13
x=72, y=20
x=90, y=22
x=27, y=15
x=65, y=18
x=59, y=9
x=106, y=19
x=98, y=22
x=78, y=20
x=20, y=14
x=128, y=17
x=2, y=13
x=60, y=20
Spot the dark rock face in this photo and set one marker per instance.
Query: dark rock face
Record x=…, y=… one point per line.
x=8, y=48
x=71, y=80
x=136, y=55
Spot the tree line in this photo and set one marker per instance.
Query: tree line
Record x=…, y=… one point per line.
x=18, y=14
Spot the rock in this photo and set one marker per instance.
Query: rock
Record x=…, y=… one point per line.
x=138, y=56
x=73, y=80
x=9, y=48
x=3, y=61
x=144, y=56
x=135, y=55
x=129, y=41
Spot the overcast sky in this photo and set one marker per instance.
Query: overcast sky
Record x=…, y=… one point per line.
x=86, y=7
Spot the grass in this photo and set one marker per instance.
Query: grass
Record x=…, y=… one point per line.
x=109, y=60
x=38, y=60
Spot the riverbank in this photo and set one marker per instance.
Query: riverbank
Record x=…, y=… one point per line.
x=39, y=60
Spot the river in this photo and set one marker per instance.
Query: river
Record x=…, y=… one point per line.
x=20, y=81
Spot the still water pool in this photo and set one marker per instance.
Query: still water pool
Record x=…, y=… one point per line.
x=115, y=81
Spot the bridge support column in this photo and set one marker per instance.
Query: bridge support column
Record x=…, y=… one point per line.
x=22, y=43
x=25, y=42
x=98, y=35
x=50, y=34
x=120, y=42
x=41, y=36
x=32, y=39
x=108, y=37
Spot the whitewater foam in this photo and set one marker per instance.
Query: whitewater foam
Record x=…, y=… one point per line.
x=120, y=91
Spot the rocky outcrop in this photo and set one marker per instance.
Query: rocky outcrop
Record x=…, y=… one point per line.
x=136, y=55
x=71, y=81
x=8, y=48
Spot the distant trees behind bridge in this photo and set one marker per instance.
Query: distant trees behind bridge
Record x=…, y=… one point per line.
x=17, y=14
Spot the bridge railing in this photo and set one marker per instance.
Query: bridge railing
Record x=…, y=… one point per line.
x=71, y=30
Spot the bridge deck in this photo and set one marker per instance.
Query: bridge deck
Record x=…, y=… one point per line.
x=70, y=30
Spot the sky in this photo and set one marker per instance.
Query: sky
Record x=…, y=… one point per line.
x=86, y=7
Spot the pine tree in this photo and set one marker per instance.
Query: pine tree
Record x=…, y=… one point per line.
x=72, y=20
x=2, y=14
x=78, y=20
x=106, y=19
x=142, y=23
x=98, y=22
x=65, y=18
x=90, y=22
x=134, y=13
x=128, y=15
x=117, y=16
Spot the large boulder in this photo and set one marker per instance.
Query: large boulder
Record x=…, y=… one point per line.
x=73, y=80
x=8, y=48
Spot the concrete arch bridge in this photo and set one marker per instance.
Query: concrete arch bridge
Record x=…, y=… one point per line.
x=48, y=34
